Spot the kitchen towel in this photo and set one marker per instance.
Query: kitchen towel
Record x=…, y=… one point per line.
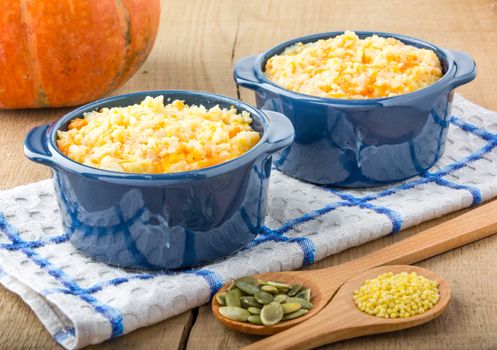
x=83, y=302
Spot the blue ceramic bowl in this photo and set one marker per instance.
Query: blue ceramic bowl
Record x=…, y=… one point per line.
x=360, y=143
x=157, y=221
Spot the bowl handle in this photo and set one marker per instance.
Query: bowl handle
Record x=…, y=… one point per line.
x=244, y=73
x=281, y=134
x=36, y=145
x=465, y=68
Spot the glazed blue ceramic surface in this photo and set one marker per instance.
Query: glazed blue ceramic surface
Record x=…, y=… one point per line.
x=360, y=143
x=163, y=221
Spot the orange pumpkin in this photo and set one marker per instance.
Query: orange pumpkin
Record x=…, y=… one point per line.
x=57, y=53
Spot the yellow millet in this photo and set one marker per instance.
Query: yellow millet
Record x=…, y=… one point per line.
x=397, y=296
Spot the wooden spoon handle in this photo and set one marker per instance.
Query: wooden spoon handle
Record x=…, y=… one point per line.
x=309, y=335
x=317, y=331
x=476, y=224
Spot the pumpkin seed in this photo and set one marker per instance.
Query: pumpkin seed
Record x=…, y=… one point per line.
x=271, y=313
x=288, y=308
x=249, y=280
x=236, y=292
x=246, y=287
x=295, y=314
x=304, y=294
x=233, y=298
x=270, y=289
x=234, y=313
x=294, y=290
x=278, y=285
x=248, y=301
x=280, y=298
x=304, y=303
x=254, y=310
x=255, y=319
x=221, y=298
x=263, y=297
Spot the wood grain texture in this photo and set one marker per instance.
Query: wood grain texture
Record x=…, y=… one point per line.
x=197, y=44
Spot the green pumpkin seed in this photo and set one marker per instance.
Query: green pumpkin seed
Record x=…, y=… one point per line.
x=255, y=319
x=248, y=301
x=221, y=298
x=288, y=308
x=236, y=292
x=254, y=310
x=263, y=297
x=280, y=298
x=249, y=280
x=234, y=313
x=233, y=298
x=298, y=313
x=304, y=294
x=278, y=285
x=245, y=287
x=270, y=289
x=271, y=313
x=294, y=290
x=304, y=303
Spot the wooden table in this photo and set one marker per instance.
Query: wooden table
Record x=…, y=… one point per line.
x=196, y=47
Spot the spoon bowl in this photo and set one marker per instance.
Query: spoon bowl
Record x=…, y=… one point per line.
x=319, y=300
x=346, y=311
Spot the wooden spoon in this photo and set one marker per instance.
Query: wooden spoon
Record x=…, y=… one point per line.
x=324, y=283
x=341, y=319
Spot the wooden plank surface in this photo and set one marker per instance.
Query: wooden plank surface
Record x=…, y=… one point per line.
x=198, y=42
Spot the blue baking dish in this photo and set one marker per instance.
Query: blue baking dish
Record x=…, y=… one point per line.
x=163, y=221
x=360, y=143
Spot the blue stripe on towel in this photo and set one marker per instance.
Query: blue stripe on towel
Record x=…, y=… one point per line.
x=308, y=248
x=118, y=281
x=305, y=243
x=213, y=279
x=290, y=224
x=109, y=283
x=475, y=192
x=394, y=217
x=473, y=129
x=36, y=243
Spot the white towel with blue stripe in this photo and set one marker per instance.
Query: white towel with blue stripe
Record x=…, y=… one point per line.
x=83, y=302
